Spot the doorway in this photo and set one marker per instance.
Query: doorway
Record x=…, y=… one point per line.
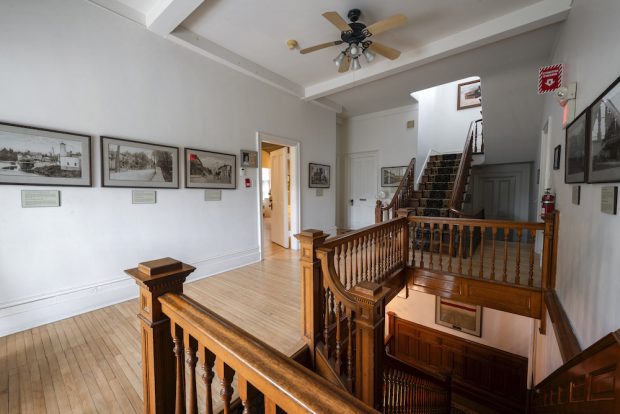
x=362, y=189
x=278, y=193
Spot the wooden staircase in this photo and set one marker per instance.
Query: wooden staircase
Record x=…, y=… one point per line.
x=434, y=195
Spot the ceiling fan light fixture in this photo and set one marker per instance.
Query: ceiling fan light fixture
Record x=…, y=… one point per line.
x=368, y=55
x=338, y=59
x=356, y=64
x=354, y=49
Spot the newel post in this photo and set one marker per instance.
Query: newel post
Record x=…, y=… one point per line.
x=370, y=347
x=379, y=212
x=311, y=285
x=156, y=278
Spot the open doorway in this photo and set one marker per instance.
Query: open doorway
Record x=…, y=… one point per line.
x=278, y=193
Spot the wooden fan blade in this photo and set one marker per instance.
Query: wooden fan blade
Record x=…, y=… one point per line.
x=384, y=50
x=346, y=63
x=335, y=19
x=319, y=47
x=387, y=24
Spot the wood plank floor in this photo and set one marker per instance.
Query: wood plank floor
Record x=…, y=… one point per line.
x=90, y=363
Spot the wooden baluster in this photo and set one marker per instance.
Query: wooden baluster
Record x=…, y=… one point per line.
x=226, y=374
x=351, y=270
x=338, y=364
x=246, y=393
x=530, y=279
x=191, y=346
x=326, y=325
x=440, y=228
x=350, y=351
x=365, y=256
x=506, y=234
x=431, y=246
x=518, y=270
x=450, y=229
x=207, y=360
x=494, y=231
x=481, y=272
x=460, y=234
x=344, y=277
x=420, y=242
x=177, y=339
x=471, y=249
x=337, y=251
x=270, y=406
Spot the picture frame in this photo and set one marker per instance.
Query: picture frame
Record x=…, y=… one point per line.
x=318, y=175
x=469, y=95
x=249, y=158
x=44, y=157
x=210, y=169
x=575, y=156
x=459, y=316
x=392, y=176
x=556, y=157
x=138, y=164
x=604, y=136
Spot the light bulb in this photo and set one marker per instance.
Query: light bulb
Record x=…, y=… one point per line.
x=338, y=59
x=356, y=64
x=368, y=55
x=354, y=49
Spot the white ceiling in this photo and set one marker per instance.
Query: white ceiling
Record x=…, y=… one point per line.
x=258, y=30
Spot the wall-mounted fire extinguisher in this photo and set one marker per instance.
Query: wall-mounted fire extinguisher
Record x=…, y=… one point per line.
x=548, y=203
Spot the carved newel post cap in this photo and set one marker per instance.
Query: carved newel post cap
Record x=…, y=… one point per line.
x=156, y=272
x=310, y=234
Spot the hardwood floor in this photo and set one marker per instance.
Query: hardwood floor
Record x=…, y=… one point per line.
x=90, y=363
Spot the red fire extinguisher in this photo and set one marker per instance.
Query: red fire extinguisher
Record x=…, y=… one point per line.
x=548, y=203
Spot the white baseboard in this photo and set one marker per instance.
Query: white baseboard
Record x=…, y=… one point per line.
x=36, y=311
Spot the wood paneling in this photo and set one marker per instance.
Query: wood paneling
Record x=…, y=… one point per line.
x=588, y=383
x=478, y=371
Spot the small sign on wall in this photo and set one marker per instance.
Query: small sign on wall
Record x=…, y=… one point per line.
x=143, y=197
x=213, y=195
x=40, y=198
x=549, y=78
x=609, y=200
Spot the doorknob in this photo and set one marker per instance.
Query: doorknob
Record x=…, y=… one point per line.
x=351, y=201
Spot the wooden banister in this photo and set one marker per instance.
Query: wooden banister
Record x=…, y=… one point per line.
x=404, y=192
x=178, y=334
x=462, y=174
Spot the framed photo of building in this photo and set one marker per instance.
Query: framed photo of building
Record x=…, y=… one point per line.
x=575, y=154
x=318, y=175
x=136, y=164
x=469, y=95
x=460, y=316
x=249, y=159
x=209, y=169
x=604, y=137
x=392, y=176
x=36, y=156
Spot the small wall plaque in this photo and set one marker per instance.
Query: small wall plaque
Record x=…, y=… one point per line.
x=609, y=200
x=410, y=124
x=213, y=195
x=40, y=198
x=577, y=194
x=143, y=197
x=319, y=192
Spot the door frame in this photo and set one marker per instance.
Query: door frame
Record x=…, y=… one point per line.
x=347, y=167
x=295, y=192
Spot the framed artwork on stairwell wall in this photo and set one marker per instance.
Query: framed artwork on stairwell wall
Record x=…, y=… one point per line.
x=392, y=176
x=575, y=154
x=137, y=164
x=604, y=137
x=459, y=316
x=469, y=95
x=318, y=175
x=210, y=169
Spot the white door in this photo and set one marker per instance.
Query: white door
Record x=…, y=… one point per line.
x=279, y=195
x=362, y=194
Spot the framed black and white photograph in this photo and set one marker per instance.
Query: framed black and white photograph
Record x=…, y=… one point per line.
x=318, y=175
x=460, y=316
x=35, y=156
x=575, y=154
x=249, y=159
x=557, y=157
x=392, y=176
x=137, y=164
x=469, y=95
x=209, y=169
x=604, y=140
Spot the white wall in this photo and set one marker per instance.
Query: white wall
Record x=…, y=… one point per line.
x=71, y=65
x=502, y=330
x=588, y=259
x=441, y=126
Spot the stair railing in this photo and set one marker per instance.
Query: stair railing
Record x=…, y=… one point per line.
x=478, y=137
x=401, y=197
x=178, y=334
x=460, y=183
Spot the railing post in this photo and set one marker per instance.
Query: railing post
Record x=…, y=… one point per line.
x=156, y=278
x=311, y=286
x=379, y=212
x=370, y=348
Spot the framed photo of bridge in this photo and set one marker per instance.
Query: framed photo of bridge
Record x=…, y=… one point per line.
x=136, y=164
x=36, y=156
x=459, y=316
x=604, y=137
x=209, y=169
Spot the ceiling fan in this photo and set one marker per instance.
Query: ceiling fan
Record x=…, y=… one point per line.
x=355, y=35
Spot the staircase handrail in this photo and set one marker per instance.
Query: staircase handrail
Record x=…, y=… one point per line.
x=461, y=177
x=406, y=184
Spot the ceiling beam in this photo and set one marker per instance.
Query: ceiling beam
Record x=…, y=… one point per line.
x=167, y=15
x=121, y=9
x=529, y=18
